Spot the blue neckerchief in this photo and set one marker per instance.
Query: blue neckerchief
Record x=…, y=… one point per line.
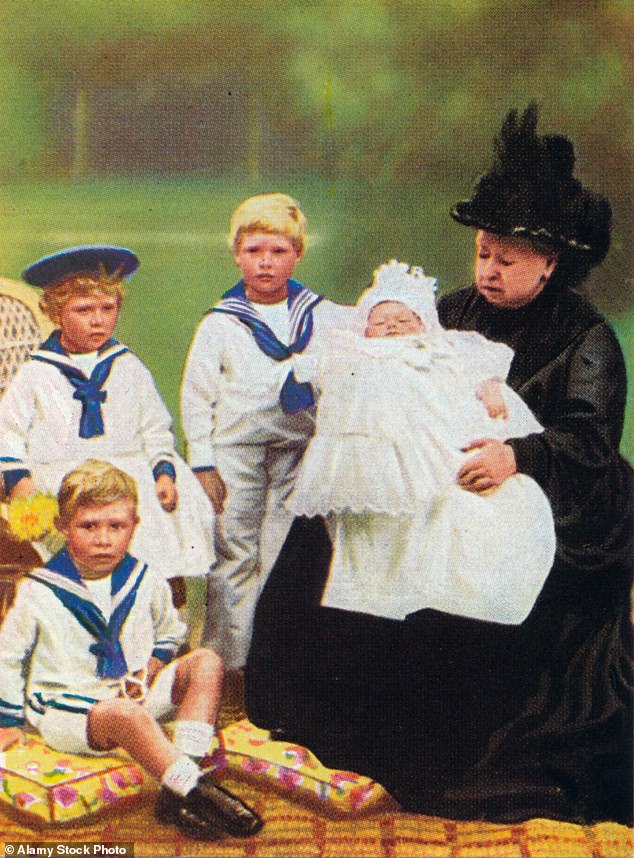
x=293, y=395
x=87, y=390
x=63, y=579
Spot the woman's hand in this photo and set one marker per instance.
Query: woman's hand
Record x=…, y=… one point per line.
x=214, y=487
x=489, y=468
x=166, y=492
x=24, y=488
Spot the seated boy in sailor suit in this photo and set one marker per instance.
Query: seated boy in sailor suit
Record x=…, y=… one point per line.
x=246, y=419
x=87, y=658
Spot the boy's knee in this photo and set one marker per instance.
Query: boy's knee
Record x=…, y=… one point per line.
x=203, y=664
x=120, y=713
x=208, y=661
x=109, y=721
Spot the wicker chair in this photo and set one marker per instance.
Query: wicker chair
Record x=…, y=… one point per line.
x=22, y=328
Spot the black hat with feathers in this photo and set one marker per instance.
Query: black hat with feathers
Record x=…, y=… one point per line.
x=530, y=192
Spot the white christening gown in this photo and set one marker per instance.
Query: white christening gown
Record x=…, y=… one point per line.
x=392, y=418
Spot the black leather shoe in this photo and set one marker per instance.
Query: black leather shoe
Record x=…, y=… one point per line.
x=192, y=821
x=224, y=809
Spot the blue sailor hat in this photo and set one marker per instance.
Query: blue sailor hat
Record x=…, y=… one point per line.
x=75, y=261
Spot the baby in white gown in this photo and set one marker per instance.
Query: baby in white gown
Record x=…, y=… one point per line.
x=396, y=407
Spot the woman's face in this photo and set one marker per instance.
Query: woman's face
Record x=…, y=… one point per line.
x=510, y=272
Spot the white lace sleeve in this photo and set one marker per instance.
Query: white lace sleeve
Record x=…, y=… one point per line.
x=482, y=358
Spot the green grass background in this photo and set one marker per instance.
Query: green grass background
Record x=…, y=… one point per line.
x=178, y=228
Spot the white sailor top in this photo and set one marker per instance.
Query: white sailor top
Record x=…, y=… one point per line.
x=238, y=385
x=58, y=650
x=52, y=410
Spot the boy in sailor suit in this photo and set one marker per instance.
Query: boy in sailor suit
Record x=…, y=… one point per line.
x=246, y=418
x=84, y=395
x=83, y=655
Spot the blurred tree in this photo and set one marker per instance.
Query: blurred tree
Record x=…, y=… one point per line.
x=74, y=49
x=413, y=84
x=22, y=127
x=390, y=86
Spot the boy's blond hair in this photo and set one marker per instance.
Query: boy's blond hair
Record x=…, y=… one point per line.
x=94, y=483
x=56, y=297
x=270, y=213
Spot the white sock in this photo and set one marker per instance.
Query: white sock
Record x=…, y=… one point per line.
x=193, y=737
x=182, y=776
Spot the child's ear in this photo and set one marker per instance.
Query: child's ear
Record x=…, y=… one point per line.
x=60, y=526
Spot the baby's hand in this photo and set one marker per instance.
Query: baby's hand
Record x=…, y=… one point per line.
x=166, y=492
x=490, y=392
x=9, y=736
x=24, y=488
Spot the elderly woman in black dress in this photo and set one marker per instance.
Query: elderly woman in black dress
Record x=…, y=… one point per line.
x=466, y=718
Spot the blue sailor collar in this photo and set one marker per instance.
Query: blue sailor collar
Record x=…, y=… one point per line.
x=294, y=396
x=52, y=351
x=88, y=390
x=300, y=302
x=61, y=564
x=60, y=575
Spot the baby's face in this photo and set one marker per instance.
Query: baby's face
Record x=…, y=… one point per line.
x=393, y=319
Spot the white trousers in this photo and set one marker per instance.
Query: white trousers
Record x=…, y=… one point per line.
x=67, y=731
x=249, y=535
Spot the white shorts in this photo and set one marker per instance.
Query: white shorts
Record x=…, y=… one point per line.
x=67, y=731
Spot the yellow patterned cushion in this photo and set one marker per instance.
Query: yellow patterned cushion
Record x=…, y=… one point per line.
x=245, y=751
x=58, y=787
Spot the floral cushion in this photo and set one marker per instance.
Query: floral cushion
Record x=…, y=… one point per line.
x=58, y=787
x=245, y=751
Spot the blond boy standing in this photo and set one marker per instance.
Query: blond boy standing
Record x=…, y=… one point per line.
x=246, y=418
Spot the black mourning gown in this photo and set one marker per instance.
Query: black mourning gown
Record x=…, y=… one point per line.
x=464, y=718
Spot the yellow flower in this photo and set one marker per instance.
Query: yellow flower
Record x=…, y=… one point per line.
x=31, y=518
